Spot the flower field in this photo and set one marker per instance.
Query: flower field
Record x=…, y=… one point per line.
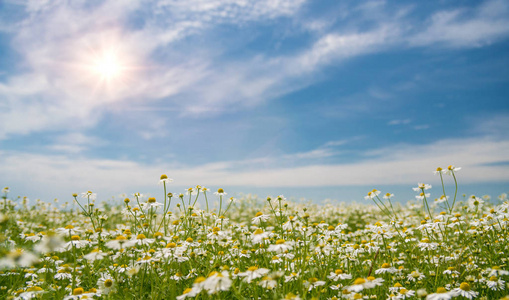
x=450, y=246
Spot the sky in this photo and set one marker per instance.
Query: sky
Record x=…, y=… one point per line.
x=310, y=99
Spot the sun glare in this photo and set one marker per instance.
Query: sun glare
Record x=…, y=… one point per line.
x=105, y=63
x=108, y=66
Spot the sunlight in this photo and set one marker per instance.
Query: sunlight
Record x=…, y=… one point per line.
x=105, y=63
x=108, y=66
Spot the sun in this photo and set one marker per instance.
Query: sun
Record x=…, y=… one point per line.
x=108, y=66
x=105, y=63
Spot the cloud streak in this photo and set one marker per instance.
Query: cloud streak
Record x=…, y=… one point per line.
x=482, y=161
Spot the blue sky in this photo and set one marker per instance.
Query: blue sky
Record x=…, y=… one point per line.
x=315, y=99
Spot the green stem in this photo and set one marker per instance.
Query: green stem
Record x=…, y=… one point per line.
x=455, y=191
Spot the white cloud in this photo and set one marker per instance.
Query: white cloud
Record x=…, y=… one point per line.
x=75, y=143
x=398, y=164
x=56, y=39
x=421, y=127
x=335, y=46
x=455, y=28
x=495, y=126
x=399, y=122
x=230, y=11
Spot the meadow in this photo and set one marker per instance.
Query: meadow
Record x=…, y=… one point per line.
x=449, y=246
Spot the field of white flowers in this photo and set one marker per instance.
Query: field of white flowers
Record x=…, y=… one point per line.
x=448, y=247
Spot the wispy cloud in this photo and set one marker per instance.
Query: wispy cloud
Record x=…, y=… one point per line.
x=399, y=122
x=75, y=143
x=56, y=51
x=476, y=27
x=398, y=164
x=193, y=80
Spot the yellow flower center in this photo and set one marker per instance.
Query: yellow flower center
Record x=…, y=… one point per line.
x=121, y=238
x=108, y=283
x=77, y=291
x=199, y=279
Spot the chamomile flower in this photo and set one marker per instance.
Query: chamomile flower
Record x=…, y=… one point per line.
x=280, y=246
x=106, y=284
x=372, y=194
x=188, y=293
x=404, y=294
x=422, y=195
x=438, y=171
x=139, y=240
x=495, y=283
x=267, y=282
x=415, y=276
x=89, y=195
x=165, y=180
x=192, y=191
x=313, y=282
x=291, y=296
x=117, y=243
x=75, y=242
x=441, y=294
x=388, y=196
x=96, y=254
x=259, y=236
x=364, y=283
x=450, y=170
x=151, y=203
x=465, y=291
x=475, y=203
x=260, y=217
x=252, y=273
x=339, y=275
x=32, y=292
x=422, y=187
x=386, y=268
x=293, y=276
x=220, y=192
x=216, y=282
